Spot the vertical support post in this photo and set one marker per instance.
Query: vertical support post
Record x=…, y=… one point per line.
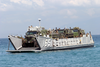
x=90, y=32
x=39, y=23
x=8, y=45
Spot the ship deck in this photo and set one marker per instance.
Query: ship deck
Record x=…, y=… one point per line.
x=25, y=49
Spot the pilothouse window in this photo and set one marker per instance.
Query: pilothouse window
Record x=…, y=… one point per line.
x=31, y=33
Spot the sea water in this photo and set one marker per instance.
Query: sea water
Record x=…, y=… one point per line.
x=83, y=57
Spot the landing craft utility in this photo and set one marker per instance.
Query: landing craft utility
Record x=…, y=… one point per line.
x=39, y=39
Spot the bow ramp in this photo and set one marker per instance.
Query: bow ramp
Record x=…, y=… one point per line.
x=17, y=44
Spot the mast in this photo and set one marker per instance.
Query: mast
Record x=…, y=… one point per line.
x=39, y=23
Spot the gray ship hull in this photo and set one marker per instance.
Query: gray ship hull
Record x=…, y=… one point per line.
x=69, y=47
x=49, y=44
x=62, y=44
x=50, y=49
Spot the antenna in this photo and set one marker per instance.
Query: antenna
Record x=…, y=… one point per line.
x=39, y=22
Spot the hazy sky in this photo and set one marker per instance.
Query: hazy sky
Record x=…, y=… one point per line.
x=17, y=15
